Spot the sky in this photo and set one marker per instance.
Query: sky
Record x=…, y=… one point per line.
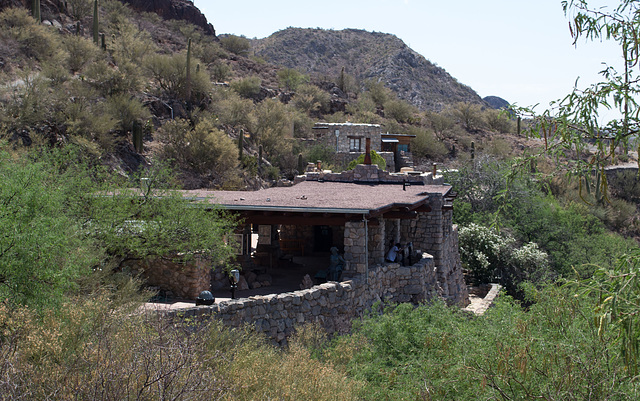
x=520, y=50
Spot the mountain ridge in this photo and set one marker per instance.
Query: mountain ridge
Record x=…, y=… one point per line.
x=366, y=56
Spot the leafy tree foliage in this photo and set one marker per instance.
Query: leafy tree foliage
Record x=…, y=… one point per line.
x=291, y=78
x=375, y=159
x=202, y=149
x=239, y=45
x=57, y=227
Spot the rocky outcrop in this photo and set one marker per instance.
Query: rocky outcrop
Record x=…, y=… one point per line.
x=496, y=102
x=174, y=9
x=167, y=9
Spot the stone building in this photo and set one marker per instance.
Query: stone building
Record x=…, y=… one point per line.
x=349, y=141
x=361, y=212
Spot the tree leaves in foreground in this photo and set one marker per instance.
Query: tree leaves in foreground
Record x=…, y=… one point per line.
x=57, y=225
x=553, y=351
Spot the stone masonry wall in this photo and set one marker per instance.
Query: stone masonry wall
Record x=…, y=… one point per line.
x=345, y=158
x=326, y=132
x=454, y=289
x=332, y=305
x=371, y=173
x=180, y=280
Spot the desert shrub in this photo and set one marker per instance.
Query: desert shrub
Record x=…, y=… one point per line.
x=273, y=127
x=220, y=71
x=239, y=45
x=127, y=110
x=169, y=73
x=346, y=82
x=234, y=111
x=378, y=93
x=321, y=152
x=78, y=9
x=437, y=353
x=247, y=87
x=80, y=50
x=440, y=123
x=375, y=159
x=426, y=145
x=291, y=79
x=399, y=110
x=467, y=114
x=499, y=121
x=111, y=81
x=310, y=99
x=128, y=44
x=35, y=40
x=499, y=148
x=203, y=149
x=302, y=124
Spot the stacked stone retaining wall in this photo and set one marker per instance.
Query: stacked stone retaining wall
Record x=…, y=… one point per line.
x=176, y=279
x=332, y=305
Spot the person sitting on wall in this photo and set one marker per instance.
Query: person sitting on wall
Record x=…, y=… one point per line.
x=394, y=253
x=336, y=265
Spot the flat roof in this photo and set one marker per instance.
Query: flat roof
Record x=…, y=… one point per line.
x=323, y=197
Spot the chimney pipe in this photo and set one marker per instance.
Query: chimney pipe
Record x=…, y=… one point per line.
x=367, y=155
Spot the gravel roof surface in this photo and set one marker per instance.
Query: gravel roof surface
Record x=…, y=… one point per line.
x=310, y=195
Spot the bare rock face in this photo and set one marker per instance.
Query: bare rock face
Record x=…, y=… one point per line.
x=173, y=9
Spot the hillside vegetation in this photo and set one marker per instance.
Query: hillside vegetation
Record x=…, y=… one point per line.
x=85, y=113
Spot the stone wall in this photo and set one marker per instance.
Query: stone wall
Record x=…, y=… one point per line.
x=332, y=305
x=326, y=133
x=371, y=174
x=176, y=279
x=343, y=159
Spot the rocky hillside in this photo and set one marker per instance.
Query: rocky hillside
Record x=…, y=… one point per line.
x=167, y=9
x=366, y=55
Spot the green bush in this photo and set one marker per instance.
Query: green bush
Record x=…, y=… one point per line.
x=399, y=110
x=311, y=99
x=499, y=121
x=247, y=87
x=79, y=9
x=375, y=159
x=202, y=149
x=34, y=40
x=169, y=73
x=220, y=71
x=490, y=256
x=81, y=52
x=426, y=145
x=235, y=111
x=127, y=110
x=291, y=79
x=239, y=45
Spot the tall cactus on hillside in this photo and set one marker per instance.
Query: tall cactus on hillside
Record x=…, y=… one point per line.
x=96, y=24
x=35, y=10
x=136, y=132
x=240, y=144
x=188, y=88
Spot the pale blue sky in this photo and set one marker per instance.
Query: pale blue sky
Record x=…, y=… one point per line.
x=520, y=50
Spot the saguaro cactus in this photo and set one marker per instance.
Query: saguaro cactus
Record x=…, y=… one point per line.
x=188, y=88
x=240, y=144
x=35, y=11
x=96, y=24
x=137, y=136
x=300, y=164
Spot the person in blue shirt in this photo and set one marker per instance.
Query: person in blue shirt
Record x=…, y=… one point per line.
x=393, y=254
